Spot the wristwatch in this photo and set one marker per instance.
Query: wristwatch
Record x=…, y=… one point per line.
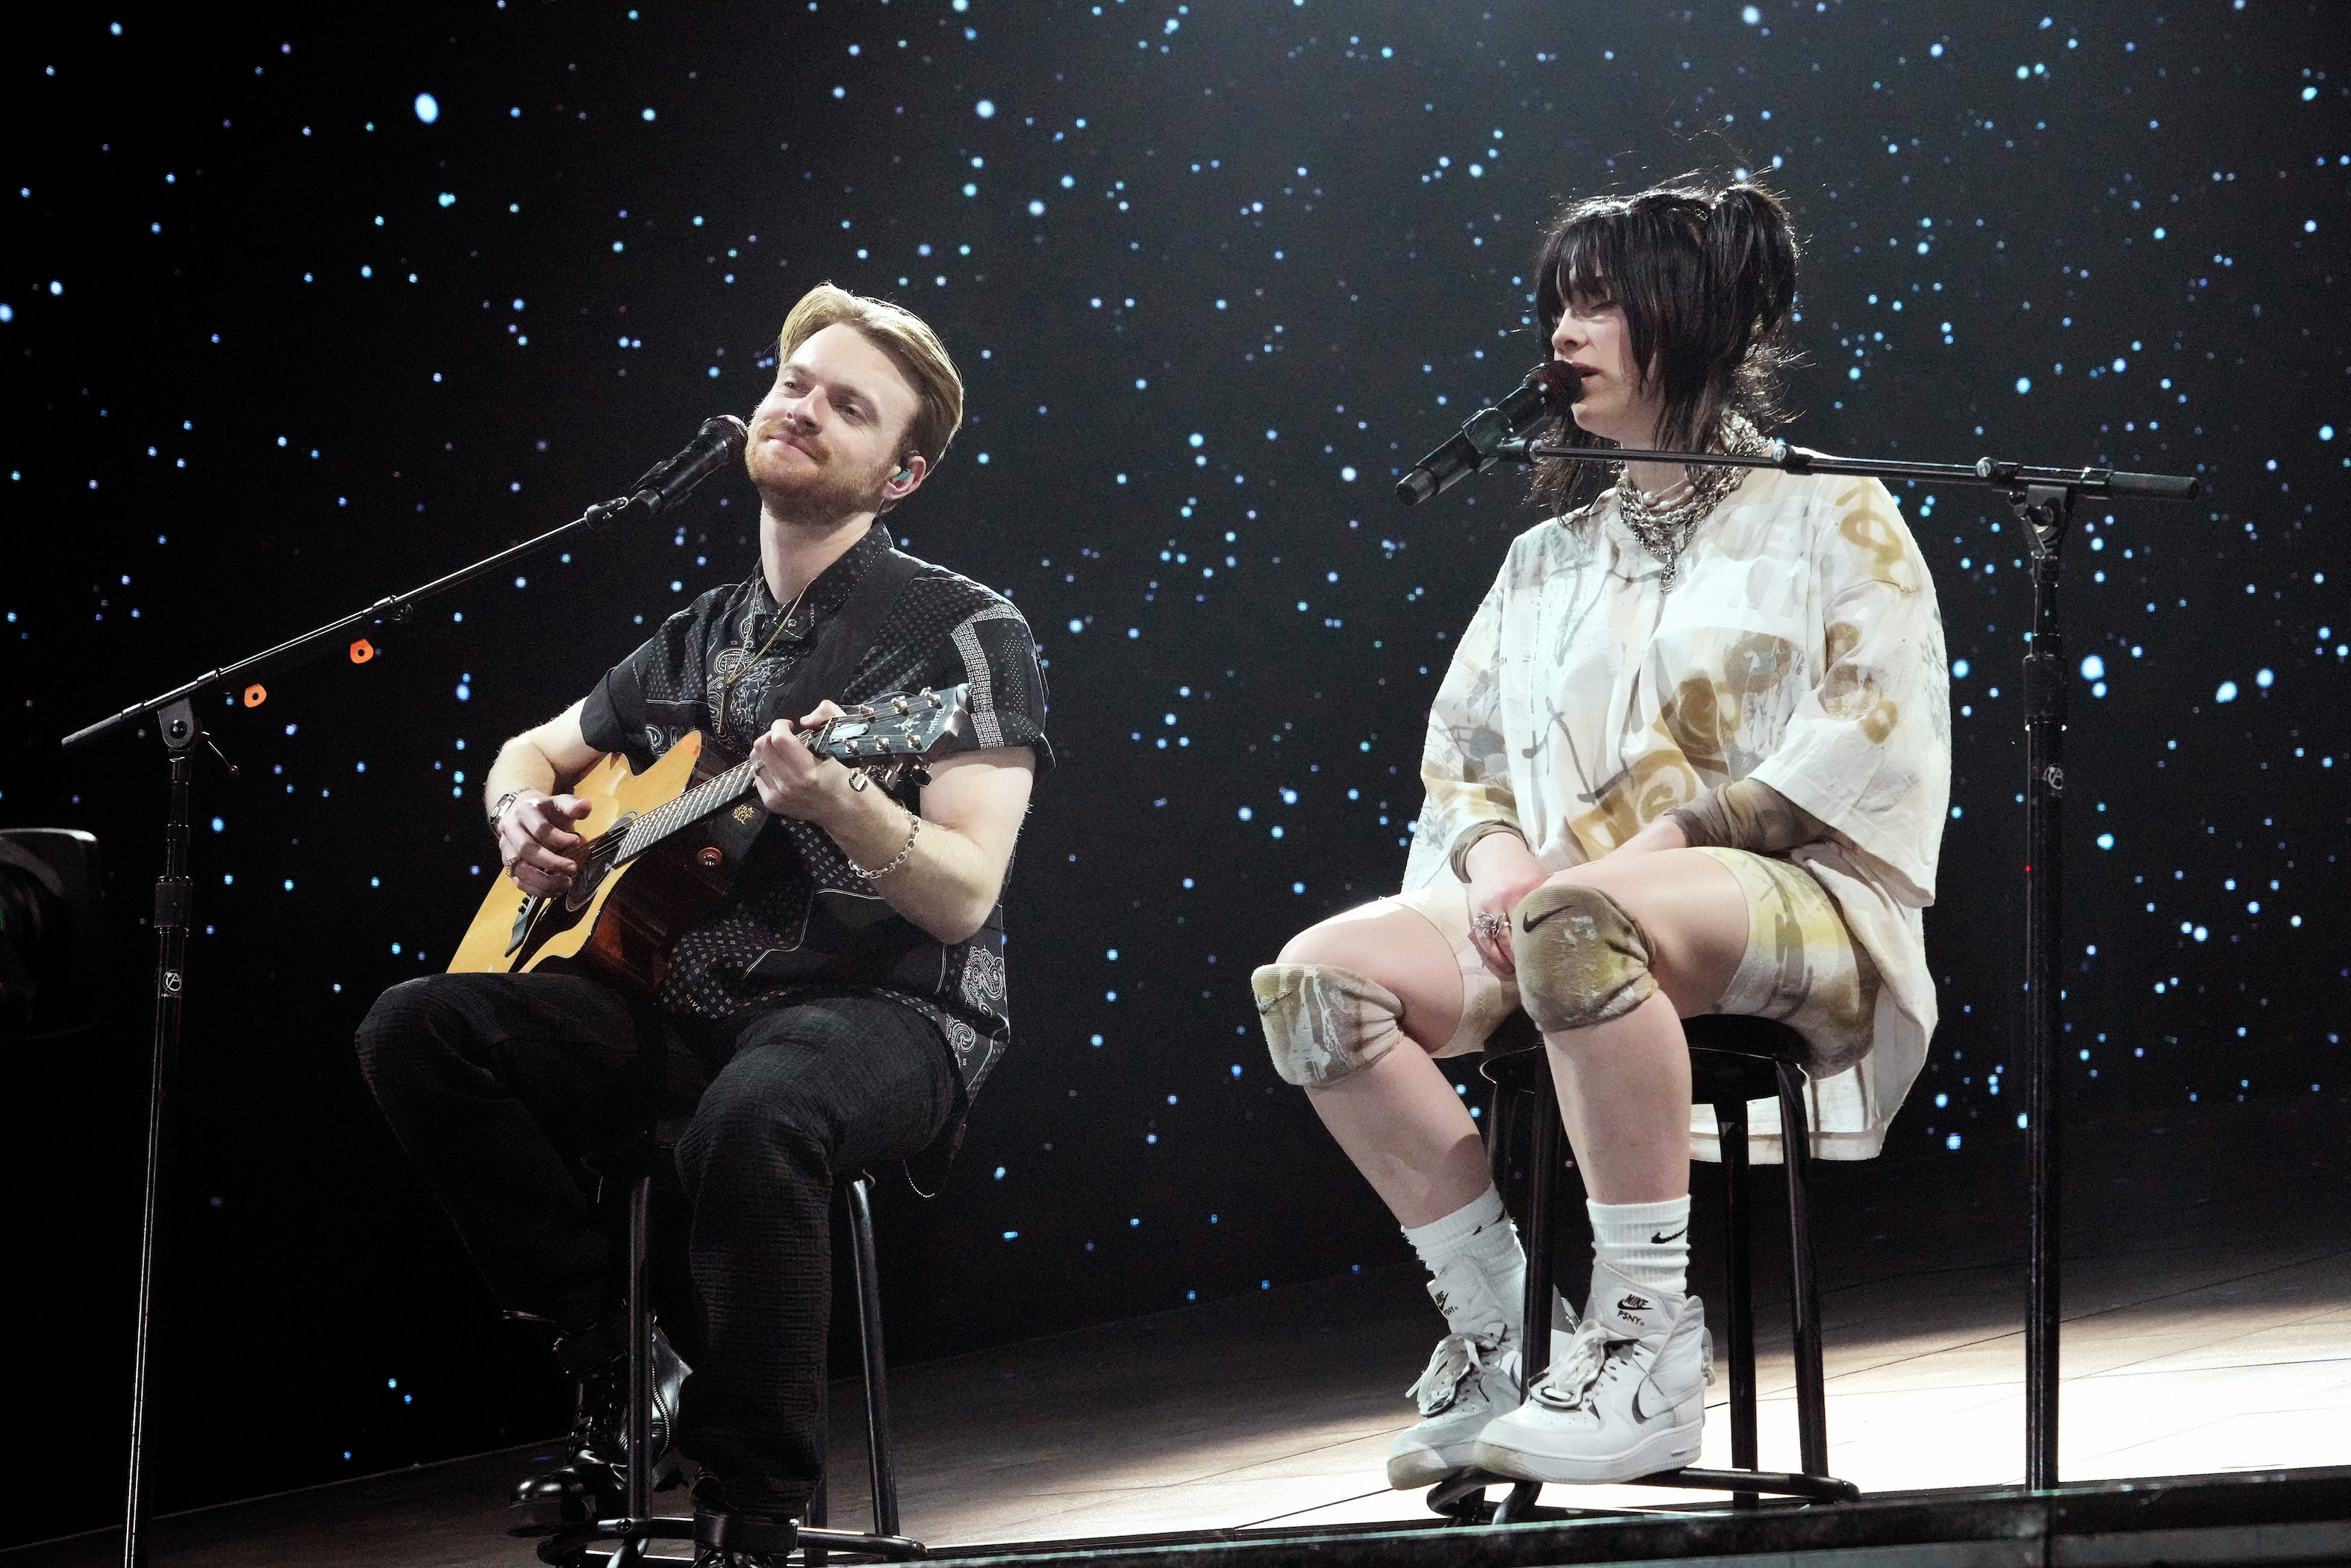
x=498, y=807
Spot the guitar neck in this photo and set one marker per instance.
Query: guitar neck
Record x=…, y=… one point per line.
x=920, y=726
x=713, y=794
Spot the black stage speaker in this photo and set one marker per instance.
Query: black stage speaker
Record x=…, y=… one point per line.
x=52, y=934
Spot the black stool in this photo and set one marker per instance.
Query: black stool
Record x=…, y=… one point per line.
x=637, y=1525
x=1733, y=1060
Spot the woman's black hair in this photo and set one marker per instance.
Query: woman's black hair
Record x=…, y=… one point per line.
x=1706, y=276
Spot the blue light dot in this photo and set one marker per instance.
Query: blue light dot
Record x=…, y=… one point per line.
x=2023, y=384
x=984, y=108
x=428, y=107
x=2227, y=693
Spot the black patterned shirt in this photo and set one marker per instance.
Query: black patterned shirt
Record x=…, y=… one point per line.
x=800, y=920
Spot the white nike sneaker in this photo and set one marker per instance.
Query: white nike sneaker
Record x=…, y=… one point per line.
x=1472, y=1378
x=1611, y=1409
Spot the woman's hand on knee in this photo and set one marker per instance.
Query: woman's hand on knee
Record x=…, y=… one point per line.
x=1502, y=871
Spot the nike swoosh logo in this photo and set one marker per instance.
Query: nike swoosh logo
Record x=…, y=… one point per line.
x=1527, y=924
x=1638, y=1413
x=1655, y=1240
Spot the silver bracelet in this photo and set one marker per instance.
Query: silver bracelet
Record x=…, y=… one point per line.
x=914, y=831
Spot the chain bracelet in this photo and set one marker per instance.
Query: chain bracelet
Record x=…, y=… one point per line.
x=914, y=831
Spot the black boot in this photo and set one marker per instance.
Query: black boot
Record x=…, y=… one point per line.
x=592, y=1483
x=726, y=1536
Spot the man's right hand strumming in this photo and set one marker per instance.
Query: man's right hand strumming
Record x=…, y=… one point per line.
x=537, y=843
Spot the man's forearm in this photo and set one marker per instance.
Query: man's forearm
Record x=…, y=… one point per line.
x=946, y=884
x=520, y=765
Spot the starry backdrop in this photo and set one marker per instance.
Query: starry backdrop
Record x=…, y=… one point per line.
x=297, y=313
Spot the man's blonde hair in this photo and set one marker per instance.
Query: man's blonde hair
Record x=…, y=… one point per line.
x=907, y=338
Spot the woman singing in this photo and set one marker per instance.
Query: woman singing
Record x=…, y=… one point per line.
x=1692, y=755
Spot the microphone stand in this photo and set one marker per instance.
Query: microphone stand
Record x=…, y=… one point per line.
x=2042, y=500
x=181, y=730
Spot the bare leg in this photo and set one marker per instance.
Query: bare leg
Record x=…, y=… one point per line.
x=1625, y=1085
x=1399, y=1120
x=1623, y=1096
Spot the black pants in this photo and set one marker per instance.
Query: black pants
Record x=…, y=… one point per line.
x=498, y=1084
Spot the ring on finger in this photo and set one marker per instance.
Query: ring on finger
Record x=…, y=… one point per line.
x=1489, y=924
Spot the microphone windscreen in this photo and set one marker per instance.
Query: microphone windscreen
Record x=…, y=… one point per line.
x=1561, y=388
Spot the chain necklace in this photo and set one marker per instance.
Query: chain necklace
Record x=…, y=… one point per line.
x=1664, y=525
x=736, y=662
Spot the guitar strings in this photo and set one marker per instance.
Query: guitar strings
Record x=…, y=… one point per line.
x=692, y=804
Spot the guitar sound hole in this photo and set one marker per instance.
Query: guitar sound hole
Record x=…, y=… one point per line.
x=583, y=889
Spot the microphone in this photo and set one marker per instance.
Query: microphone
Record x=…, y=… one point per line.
x=719, y=442
x=1550, y=388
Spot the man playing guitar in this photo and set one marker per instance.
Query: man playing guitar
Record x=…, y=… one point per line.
x=838, y=1011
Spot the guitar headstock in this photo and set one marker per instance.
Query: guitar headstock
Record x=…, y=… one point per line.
x=894, y=735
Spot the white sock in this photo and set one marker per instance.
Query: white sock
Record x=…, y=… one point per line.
x=1479, y=1234
x=1645, y=1246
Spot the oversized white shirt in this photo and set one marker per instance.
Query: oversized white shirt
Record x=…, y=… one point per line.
x=1801, y=645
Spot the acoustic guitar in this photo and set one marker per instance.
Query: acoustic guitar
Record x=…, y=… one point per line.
x=665, y=845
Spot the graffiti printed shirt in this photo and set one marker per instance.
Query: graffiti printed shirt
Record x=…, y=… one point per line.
x=1801, y=645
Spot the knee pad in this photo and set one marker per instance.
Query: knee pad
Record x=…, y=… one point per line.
x=1582, y=958
x=1324, y=1024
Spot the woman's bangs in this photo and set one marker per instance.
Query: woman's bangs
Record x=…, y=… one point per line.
x=1580, y=265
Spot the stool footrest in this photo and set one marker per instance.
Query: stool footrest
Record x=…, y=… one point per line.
x=895, y=1548
x=1780, y=1483
x=1463, y=1496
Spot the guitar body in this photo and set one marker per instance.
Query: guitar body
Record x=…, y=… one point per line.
x=617, y=922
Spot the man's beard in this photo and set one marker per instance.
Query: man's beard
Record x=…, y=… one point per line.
x=825, y=494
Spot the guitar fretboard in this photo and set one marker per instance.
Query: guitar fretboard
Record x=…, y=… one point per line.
x=712, y=794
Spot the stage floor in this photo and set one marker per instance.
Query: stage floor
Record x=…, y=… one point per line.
x=2208, y=1328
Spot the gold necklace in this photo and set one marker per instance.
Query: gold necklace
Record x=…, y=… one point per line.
x=727, y=683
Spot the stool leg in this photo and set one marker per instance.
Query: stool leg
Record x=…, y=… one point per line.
x=1731, y=1122
x=641, y=1352
x=1534, y=1328
x=1501, y=1137
x=881, y=1464
x=1543, y=1181
x=819, y=1512
x=1804, y=1285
